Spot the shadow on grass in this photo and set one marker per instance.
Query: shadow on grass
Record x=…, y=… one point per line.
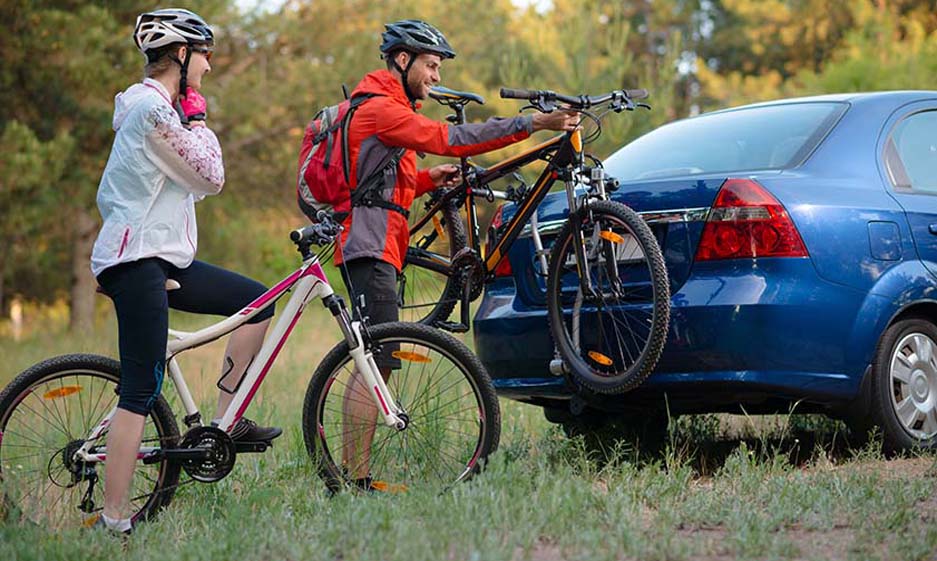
x=705, y=442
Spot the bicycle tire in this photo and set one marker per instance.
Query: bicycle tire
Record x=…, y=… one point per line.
x=465, y=408
x=76, y=391
x=640, y=303
x=428, y=295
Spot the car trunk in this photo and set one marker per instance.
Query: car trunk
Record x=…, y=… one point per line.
x=675, y=209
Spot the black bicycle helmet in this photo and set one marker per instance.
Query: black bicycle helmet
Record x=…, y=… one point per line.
x=415, y=36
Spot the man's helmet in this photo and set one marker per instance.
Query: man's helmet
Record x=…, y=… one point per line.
x=173, y=25
x=415, y=36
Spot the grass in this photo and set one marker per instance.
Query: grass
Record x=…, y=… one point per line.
x=742, y=488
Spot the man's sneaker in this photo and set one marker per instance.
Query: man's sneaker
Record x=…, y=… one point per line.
x=97, y=523
x=248, y=431
x=371, y=485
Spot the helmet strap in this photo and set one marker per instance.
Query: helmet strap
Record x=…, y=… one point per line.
x=403, y=76
x=183, y=79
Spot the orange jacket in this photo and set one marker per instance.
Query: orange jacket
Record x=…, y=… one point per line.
x=384, y=123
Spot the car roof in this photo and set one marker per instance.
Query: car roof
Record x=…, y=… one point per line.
x=891, y=97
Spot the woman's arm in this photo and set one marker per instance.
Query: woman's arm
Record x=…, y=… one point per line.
x=190, y=157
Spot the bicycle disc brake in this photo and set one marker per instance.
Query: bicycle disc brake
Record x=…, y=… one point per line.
x=221, y=454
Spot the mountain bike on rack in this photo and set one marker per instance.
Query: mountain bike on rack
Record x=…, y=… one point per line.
x=433, y=421
x=608, y=293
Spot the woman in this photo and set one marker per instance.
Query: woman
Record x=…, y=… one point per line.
x=164, y=159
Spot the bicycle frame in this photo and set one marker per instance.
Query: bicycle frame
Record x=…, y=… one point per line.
x=307, y=283
x=565, y=149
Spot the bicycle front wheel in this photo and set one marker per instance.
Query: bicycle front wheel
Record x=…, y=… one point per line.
x=609, y=317
x=426, y=288
x=454, y=419
x=45, y=414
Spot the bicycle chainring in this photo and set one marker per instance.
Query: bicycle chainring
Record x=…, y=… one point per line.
x=467, y=263
x=221, y=457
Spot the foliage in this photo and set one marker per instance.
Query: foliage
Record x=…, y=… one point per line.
x=274, y=69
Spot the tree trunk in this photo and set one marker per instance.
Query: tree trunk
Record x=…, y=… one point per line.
x=81, y=318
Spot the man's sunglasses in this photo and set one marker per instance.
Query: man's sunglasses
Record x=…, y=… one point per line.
x=204, y=51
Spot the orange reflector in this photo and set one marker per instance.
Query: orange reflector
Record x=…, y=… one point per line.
x=90, y=521
x=438, y=226
x=610, y=236
x=61, y=392
x=410, y=357
x=600, y=358
x=576, y=140
x=385, y=487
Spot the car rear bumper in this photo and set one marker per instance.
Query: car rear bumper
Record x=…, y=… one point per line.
x=770, y=325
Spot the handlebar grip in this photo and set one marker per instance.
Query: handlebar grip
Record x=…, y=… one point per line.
x=636, y=94
x=510, y=93
x=297, y=234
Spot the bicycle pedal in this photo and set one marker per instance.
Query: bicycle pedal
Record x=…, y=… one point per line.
x=252, y=447
x=452, y=326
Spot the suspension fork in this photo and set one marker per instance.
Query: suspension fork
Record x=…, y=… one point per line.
x=359, y=347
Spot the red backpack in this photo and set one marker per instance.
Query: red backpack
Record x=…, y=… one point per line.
x=323, y=182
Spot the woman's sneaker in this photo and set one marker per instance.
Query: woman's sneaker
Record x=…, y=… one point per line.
x=246, y=430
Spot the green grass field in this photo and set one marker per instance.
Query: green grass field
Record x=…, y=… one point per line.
x=772, y=489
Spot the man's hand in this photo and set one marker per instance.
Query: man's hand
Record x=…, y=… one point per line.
x=558, y=120
x=445, y=175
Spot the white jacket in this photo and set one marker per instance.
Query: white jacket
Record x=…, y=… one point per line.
x=156, y=172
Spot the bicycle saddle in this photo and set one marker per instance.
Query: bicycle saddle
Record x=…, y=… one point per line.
x=445, y=95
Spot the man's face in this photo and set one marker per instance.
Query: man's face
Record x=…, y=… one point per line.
x=424, y=74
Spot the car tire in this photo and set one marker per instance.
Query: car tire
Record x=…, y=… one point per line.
x=904, y=386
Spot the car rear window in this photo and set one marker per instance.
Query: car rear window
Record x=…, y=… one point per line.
x=758, y=138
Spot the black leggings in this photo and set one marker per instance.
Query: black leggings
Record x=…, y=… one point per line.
x=138, y=290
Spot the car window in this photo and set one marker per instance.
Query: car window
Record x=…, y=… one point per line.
x=911, y=153
x=756, y=138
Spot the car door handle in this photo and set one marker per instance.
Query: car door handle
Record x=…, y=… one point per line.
x=932, y=228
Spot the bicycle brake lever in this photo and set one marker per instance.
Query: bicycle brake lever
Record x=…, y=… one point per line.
x=644, y=105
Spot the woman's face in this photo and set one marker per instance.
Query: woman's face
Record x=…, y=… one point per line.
x=199, y=65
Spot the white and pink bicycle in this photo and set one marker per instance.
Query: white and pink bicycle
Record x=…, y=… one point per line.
x=434, y=421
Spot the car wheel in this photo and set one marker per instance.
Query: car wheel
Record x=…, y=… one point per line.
x=904, y=386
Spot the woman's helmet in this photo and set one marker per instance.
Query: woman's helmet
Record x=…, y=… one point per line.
x=416, y=37
x=173, y=25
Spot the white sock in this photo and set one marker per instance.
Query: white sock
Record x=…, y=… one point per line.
x=121, y=525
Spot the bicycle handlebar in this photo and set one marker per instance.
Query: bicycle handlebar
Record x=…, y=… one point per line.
x=321, y=233
x=574, y=102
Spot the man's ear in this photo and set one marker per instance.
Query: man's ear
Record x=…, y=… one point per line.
x=180, y=52
x=402, y=59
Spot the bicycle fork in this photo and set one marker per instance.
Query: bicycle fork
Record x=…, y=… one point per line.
x=360, y=351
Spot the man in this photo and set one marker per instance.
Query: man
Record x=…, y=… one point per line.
x=374, y=242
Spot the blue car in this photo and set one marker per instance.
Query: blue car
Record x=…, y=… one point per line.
x=800, y=238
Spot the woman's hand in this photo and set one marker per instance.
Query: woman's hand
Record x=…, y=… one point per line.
x=194, y=106
x=445, y=175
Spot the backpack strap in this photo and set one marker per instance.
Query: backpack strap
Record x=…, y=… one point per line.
x=366, y=193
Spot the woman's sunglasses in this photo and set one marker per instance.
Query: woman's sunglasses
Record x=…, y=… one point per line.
x=203, y=51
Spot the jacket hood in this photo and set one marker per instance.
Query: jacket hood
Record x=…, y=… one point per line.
x=126, y=100
x=382, y=82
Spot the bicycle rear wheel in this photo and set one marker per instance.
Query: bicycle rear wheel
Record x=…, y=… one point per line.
x=612, y=334
x=454, y=419
x=425, y=289
x=45, y=413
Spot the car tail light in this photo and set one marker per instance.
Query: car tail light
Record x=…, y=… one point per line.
x=746, y=221
x=504, y=267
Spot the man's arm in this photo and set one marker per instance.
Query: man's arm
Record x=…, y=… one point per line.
x=398, y=126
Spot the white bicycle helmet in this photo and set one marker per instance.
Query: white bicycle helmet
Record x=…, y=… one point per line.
x=172, y=25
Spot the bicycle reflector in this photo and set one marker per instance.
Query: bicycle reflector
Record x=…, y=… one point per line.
x=747, y=221
x=410, y=357
x=64, y=391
